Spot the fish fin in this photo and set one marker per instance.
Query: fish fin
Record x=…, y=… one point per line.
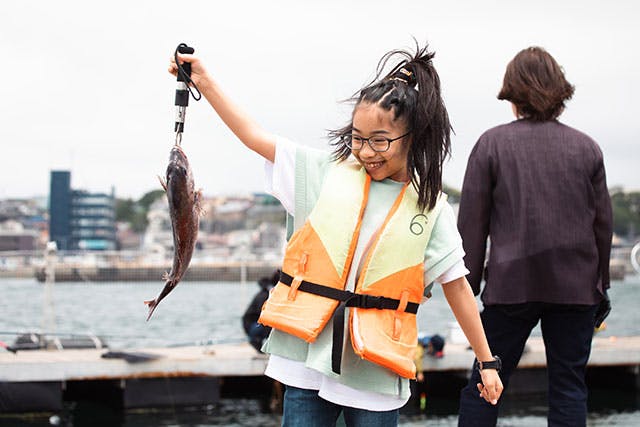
x=197, y=203
x=162, y=182
x=152, y=306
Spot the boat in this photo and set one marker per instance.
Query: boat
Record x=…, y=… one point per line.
x=51, y=341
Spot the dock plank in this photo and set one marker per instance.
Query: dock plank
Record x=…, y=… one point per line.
x=241, y=359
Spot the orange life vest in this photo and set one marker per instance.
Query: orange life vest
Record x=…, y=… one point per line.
x=389, y=283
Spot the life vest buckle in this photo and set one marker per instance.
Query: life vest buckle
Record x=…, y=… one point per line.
x=366, y=301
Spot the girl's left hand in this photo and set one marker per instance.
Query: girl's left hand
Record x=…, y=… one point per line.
x=491, y=386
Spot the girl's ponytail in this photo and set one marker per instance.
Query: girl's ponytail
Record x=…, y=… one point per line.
x=412, y=91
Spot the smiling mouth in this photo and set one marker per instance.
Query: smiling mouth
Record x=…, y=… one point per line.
x=372, y=165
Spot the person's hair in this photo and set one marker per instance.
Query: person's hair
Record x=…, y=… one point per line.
x=437, y=342
x=536, y=85
x=412, y=91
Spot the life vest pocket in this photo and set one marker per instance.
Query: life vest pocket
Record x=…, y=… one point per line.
x=303, y=317
x=385, y=337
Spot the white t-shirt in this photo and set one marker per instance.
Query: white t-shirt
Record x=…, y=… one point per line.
x=280, y=182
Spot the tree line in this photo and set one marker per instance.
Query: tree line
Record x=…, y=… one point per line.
x=626, y=213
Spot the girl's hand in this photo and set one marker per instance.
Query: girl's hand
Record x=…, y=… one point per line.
x=491, y=386
x=199, y=74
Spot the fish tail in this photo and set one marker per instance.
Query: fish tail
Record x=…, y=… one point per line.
x=152, y=306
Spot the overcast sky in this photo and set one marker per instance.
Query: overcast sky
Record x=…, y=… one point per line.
x=84, y=84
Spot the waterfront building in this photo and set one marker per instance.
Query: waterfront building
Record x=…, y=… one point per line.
x=79, y=219
x=23, y=225
x=14, y=237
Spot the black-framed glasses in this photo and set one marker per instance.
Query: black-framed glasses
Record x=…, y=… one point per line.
x=377, y=143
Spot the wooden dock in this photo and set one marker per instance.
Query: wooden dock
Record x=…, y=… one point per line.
x=219, y=360
x=200, y=369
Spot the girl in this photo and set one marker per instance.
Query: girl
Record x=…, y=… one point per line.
x=372, y=228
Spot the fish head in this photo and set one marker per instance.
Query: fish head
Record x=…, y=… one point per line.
x=178, y=158
x=178, y=170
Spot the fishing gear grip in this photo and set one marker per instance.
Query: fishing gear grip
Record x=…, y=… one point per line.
x=183, y=89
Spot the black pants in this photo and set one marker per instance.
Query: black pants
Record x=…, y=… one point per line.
x=567, y=331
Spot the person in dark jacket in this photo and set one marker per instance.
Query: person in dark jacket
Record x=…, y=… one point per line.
x=537, y=189
x=256, y=332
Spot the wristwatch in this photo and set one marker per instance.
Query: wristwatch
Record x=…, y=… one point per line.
x=496, y=364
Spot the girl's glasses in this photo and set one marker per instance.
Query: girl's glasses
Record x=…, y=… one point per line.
x=377, y=143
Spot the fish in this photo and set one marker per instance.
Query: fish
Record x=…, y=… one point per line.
x=184, y=210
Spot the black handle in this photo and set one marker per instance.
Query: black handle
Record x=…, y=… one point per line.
x=183, y=90
x=186, y=67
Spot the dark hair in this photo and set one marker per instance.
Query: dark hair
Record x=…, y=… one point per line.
x=536, y=85
x=437, y=342
x=423, y=110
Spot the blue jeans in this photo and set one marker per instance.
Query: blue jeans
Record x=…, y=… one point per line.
x=567, y=331
x=304, y=408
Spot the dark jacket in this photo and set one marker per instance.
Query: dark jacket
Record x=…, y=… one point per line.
x=252, y=313
x=538, y=191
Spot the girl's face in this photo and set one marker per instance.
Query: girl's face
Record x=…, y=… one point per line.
x=370, y=120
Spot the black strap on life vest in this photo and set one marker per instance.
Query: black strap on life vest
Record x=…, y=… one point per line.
x=347, y=299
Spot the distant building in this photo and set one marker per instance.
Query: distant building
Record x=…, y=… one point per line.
x=265, y=209
x=21, y=210
x=79, y=219
x=228, y=214
x=60, y=209
x=127, y=237
x=158, y=237
x=14, y=237
x=24, y=225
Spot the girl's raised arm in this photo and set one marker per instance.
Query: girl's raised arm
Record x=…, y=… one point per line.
x=245, y=128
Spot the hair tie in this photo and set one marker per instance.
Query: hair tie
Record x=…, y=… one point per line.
x=404, y=75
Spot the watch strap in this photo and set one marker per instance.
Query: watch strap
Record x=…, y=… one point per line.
x=496, y=364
